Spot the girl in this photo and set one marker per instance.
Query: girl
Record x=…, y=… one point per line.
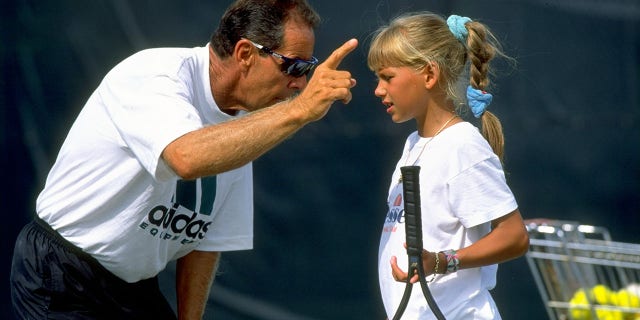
x=470, y=219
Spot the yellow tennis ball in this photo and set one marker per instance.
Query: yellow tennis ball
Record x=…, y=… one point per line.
x=601, y=294
x=609, y=314
x=627, y=299
x=579, y=306
x=634, y=289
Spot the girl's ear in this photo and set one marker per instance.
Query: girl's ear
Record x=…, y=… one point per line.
x=431, y=74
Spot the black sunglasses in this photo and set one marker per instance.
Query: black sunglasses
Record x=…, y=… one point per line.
x=291, y=66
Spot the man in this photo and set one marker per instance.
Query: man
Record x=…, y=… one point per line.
x=157, y=166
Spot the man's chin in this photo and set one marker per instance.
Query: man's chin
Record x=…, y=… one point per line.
x=231, y=112
x=279, y=100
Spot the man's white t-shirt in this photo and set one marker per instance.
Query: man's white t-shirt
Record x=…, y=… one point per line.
x=462, y=189
x=111, y=194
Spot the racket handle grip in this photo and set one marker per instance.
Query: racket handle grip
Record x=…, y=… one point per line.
x=412, y=211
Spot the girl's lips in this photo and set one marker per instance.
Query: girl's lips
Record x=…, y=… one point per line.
x=389, y=106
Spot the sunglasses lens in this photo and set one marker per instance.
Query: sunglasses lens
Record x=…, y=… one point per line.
x=291, y=66
x=299, y=68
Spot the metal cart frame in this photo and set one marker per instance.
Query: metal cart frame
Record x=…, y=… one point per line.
x=566, y=256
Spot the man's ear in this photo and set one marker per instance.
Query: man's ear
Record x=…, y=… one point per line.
x=431, y=74
x=244, y=54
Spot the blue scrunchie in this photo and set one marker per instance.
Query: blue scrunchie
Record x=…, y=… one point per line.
x=456, y=25
x=478, y=101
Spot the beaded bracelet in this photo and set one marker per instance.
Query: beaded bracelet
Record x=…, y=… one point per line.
x=453, y=262
x=435, y=268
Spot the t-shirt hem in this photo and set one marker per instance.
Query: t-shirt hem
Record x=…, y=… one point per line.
x=228, y=244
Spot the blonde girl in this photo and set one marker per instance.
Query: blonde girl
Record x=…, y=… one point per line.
x=470, y=218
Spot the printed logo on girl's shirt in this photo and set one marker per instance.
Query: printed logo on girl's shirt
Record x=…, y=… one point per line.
x=398, y=201
x=395, y=215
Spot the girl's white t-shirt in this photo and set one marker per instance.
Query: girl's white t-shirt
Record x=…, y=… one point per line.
x=111, y=194
x=462, y=189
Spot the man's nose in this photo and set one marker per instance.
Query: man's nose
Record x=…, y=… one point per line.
x=298, y=83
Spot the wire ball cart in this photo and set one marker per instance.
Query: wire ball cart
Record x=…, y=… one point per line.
x=581, y=273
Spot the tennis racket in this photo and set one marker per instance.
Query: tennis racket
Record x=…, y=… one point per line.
x=413, y=231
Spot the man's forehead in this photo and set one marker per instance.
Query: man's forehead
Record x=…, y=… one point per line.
x=298, y=40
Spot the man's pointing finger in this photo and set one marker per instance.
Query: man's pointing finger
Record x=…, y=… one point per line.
x=334, y=60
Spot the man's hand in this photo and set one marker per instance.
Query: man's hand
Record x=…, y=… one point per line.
x=226, y=146
x=327, y=84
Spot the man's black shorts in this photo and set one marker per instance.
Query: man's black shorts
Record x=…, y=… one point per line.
x=53, y=279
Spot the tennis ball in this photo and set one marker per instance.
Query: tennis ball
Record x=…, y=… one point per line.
x=579, y=306
x=601, y=294
x=609, y=314
x=627, y=299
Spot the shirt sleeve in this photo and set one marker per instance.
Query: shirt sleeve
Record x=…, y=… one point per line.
x=480, y=193
x=150, y=116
